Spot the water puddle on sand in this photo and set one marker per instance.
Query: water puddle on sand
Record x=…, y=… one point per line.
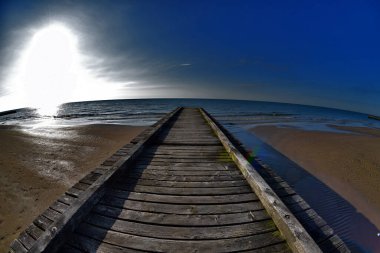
x=359, y=234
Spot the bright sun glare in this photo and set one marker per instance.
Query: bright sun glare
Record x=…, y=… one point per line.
x=50, y=72
x=49, y=68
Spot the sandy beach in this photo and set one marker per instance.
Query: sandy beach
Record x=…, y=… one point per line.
x=38, y=165
x=349, y=163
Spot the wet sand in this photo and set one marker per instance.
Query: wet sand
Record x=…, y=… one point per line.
x=37, y=166
x=349, y=163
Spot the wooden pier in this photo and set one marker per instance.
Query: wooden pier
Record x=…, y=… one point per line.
x=181, y=186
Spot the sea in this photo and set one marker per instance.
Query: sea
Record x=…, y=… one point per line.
x=238, y=117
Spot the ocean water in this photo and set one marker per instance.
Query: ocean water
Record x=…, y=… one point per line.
x=230, y=112
x=237, y=116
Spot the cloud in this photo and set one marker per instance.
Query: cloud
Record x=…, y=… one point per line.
x=193, y=48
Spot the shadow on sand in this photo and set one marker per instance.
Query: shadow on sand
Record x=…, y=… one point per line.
x=359, y=234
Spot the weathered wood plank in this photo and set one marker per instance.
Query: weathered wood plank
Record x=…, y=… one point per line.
x=159, y=173
x=334, y=245
x=194, y=220
x=42, y=222
x=186, y=157
x=174, y=152
x=51, y=214
x=180, y=166
x=81, y=186
x=16, y=246
x=181, y=233
x=87, y=244
x=74, y=192
x=59, y=206
x=186, y=148
x=181, y=184
x=178, y=199
x=188, y=209
x=164, y=245
x=26, y=240
x=34, y=231
x=92, y=245
x=68, y=199
x=182, y=178
x=166, y=162
x=204, y=191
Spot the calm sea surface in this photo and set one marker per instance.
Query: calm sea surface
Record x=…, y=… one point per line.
x=237, y=116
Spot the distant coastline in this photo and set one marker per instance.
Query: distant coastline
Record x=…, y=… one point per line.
x=373, y=117
x=7, y=112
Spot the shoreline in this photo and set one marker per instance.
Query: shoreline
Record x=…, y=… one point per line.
x=39, y=165
x=349, y=163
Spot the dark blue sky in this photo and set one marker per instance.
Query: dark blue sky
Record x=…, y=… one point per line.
x=322, y=53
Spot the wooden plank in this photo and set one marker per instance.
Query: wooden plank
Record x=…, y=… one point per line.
x=180, y=142
x=159, y=173
x=42, y=222
x=285, y=192
x=178, y=199
x=334, y=245
x=166, y=150
x=310, y=216
x=74, y=192
x=26, y=240
x=183, y=140
x=193, y=148
x=81, y=186
x=91, y=177
x=183, y=184
x=16, y=246
x=68, y=199
x=59, y=207
x=182, y=178
x=34, y=231
x=182, y=233
x=90, y=245
x=101, y=170
x=298, y=207
x=87, y=244
x=165, y=245
x=203, y=191
x=194, y=220
x=178, y=135
x=212, y=167
x=186, y=156
x=292, y=199
x=187, y=209
x=51, y=214
x=217, y=166
x=200, y=162
x=321, y=233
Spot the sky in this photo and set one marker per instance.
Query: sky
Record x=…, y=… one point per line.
x=323, y=53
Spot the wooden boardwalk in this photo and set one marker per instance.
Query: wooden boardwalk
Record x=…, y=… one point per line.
x=178, y=187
